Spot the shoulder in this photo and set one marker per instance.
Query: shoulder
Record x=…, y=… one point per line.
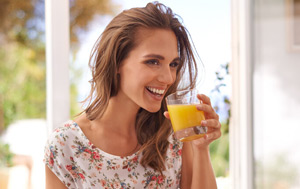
x=64, y=132
x=58, y=150
x=61, y=139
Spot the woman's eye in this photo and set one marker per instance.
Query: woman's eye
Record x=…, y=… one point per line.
x=152, y=62
x=174, y=64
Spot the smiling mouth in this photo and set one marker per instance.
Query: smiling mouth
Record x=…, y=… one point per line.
x=158, y=92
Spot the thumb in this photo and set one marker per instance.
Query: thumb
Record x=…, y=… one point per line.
x=166, y=114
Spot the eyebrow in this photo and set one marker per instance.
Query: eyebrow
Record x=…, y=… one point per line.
x=159, y=57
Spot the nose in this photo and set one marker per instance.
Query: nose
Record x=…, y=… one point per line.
x=167, y=76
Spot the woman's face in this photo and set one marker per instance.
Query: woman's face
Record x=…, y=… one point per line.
x=149, y=69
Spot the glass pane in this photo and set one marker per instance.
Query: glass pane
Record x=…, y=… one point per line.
x=276, y=94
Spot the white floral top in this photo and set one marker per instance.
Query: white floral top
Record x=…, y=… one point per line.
x=79, y=164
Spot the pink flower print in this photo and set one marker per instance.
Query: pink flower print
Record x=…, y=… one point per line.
x=153, y=178
x=85, y=155
x=125, y=163
x=51, y=162
x=135, y=159
x=129, y=169
x=134, y=181
x=179, y=152
x=173, y=154
x=61, y=142
x=151, y=185
x=69, y=167
x=88, y=151
x=116, y=185
x=99, y=166
x=73, y=173
x=81, y=176
x=160, y=179
x=103, y=182
x=96, y=155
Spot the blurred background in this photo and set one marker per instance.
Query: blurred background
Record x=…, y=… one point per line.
x=272, y=66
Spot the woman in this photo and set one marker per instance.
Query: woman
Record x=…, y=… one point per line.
x=123, y=139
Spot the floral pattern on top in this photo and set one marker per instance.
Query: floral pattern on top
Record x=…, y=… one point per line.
x=80, y=164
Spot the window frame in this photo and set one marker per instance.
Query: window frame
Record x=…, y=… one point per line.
x=57, y=62
x=241, y=127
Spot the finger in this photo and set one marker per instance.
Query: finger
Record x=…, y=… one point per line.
x=205, y=108
x=208, y=110
x=212, y=123
x=213, y=135
x=167, y=115
x=205, y=99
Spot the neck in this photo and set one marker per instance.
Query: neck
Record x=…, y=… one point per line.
x=120, y=116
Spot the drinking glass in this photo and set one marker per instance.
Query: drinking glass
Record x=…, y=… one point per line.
x=185, y=118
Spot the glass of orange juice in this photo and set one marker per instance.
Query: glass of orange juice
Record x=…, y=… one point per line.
x=185, y=118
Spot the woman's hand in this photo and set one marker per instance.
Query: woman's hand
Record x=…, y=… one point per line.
x=211, y=122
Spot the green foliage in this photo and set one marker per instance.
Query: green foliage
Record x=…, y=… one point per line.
x=22, y=83
x=6, y=155
x=22, y=54
x=219, y=149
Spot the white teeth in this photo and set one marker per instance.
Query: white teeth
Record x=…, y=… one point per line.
x=156, y=90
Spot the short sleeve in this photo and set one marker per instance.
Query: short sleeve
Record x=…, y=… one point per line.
x=56, y=155
x=175, y=144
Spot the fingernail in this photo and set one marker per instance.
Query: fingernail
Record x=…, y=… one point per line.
x=203, y=122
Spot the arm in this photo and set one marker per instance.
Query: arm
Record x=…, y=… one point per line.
x=197, y=171
x=203, y=174
x=187, y=166
x=52, y=181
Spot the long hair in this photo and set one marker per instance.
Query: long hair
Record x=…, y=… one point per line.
x=112, y=47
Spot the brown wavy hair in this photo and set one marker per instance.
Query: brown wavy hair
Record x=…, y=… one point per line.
x=112, y=47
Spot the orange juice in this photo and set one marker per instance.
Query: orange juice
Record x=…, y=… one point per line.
x=183, y=116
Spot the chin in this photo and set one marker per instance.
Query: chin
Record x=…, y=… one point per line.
x=153, y=109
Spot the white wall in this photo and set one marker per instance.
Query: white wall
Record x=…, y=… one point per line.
x=276, y=89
